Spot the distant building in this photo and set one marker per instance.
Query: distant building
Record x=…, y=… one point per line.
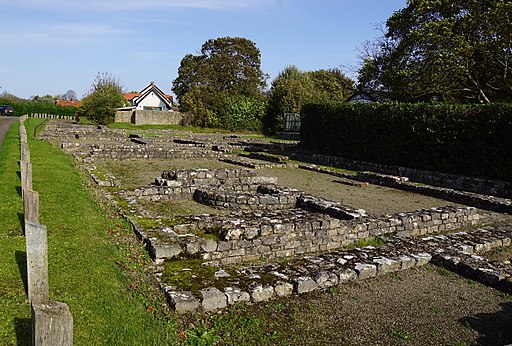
x=68, y=103
x=361, y=97
x=149, y=106
x=151, y=98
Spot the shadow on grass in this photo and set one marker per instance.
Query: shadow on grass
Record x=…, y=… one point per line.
x=493, y=328
x=21, y=260
x=18, y=190
x=21, y=217
x=23, y=328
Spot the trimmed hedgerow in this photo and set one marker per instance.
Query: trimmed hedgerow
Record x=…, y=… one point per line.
x=461, y=139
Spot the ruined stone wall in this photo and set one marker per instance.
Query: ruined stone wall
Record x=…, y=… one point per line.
x=125, y=151
x=464, y=183
x=142, y=117
x=286, y=233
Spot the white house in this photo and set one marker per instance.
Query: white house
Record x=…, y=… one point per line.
x=150, y=106
x=151, y=98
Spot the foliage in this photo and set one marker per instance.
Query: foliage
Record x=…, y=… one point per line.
x=22, y=107
x=462, y=139
x=226, y=64
x=105, y=96
x=222, y=86
x=95, y=264
x=444, y=50
x=242, y=113
x=293, y=88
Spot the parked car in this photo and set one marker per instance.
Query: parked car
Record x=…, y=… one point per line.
x=6, y=110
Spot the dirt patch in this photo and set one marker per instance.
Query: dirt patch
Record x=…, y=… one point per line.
x=426, y=306
x=377, y=200
x=132, y=174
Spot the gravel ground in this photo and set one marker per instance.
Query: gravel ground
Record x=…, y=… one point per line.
x=377, y=200
x=425, y=306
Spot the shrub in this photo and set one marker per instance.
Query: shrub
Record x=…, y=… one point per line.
x=461, y=139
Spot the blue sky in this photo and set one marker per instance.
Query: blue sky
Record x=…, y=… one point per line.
x=51, y=46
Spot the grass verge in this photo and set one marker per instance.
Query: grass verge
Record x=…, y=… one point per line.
x=95, y=265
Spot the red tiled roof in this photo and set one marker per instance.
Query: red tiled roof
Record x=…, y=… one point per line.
x=130, y=96
x=67, y=103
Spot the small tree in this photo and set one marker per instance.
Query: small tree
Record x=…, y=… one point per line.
x=100, y=104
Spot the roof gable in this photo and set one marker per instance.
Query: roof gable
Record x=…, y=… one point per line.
x=153, y=88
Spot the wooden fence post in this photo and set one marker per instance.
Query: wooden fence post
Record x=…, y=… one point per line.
x=52, y=324
x=37, y=262
x=31, y=206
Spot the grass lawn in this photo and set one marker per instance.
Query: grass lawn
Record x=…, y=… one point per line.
x=95, y=265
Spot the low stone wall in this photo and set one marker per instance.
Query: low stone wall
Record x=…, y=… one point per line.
x=501, y=205
x=126, y=151
x=123, y=117
x=477, y=185
x=461, y=252
x=184, y=183
x=257, y=198
x=286, y=233
x=142, y=117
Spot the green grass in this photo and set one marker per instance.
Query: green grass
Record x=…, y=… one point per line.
x=103, y=281
x=97, y=267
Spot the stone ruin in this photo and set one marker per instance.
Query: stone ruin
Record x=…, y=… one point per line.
x=321, y=241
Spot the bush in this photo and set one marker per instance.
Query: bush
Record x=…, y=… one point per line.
x=28, y=107
x=461, y=139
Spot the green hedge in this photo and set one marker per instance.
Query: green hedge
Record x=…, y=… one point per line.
x=461, y=139
x=28, y=107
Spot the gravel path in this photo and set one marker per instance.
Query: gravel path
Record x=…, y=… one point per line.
x=5, y=122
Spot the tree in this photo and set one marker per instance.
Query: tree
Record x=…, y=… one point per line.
x=448, y=50
x=100, y=104
x=331, y=85
x=293, y=88
x=231, y=64
x=228, y=68
x=69, y=95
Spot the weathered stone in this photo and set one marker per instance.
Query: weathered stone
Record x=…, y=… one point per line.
x=489, y=276
x=386, y=265
x=235, y=295
x=304, y=285
x=260, y=293
x=283, y=289
x=213, y=299
x=346, y=274
x=208, y=245
x=166, y=250
x=365, y=271
x=407, y=262
x=326, y=279
x=421, y=258
x=183, y=301
x=221, y=274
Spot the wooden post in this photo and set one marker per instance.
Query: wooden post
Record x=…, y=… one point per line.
x=52, y=324
x=31, y=206
x=37, y=262
x=26, y=176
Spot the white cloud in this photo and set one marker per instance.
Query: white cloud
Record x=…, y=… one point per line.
x=120, y=5
x=47, y=33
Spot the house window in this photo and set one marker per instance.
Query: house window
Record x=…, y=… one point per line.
x=150, y=108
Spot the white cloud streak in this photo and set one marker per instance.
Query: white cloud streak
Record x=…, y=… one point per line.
x=123, y=5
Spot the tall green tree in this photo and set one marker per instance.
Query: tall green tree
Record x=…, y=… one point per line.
x=293, y=88
x=225, y=77
x=100, y=104
x=448, y=50
x=226, y=64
